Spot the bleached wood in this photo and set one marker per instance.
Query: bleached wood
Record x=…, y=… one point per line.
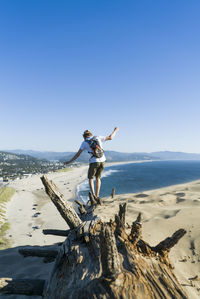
x=64, y=208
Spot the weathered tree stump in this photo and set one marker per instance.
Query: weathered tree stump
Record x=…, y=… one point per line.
x=103, y=260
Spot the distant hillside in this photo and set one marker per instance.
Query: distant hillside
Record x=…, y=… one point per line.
x=167, y=155
x=17, y=158
x=14, y=165
x=111, y=156
x=51, y=156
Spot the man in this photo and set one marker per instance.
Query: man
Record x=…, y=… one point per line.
x=96, y=164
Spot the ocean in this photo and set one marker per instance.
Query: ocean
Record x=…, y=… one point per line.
x=138, y=177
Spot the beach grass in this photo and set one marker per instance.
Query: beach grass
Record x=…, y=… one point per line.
x=66, y=169
x=4, y=243
x=5, y=195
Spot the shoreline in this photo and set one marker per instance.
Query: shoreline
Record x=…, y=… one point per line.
x=110, y=164
x=28, y=195
x=30, y=191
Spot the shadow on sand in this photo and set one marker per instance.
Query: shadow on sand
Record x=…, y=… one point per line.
x=17, y=267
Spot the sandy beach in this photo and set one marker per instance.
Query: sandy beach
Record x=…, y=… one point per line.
x=164, y=211
x=31, y=204
x=29, y=212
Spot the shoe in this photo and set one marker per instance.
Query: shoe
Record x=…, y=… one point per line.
x=99, y=200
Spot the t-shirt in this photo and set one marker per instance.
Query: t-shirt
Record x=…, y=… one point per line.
x=85, y=147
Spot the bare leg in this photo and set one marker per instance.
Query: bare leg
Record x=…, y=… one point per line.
x=91, y=183
x=98, y=186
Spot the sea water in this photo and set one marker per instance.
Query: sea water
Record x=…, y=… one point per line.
x=138, y=177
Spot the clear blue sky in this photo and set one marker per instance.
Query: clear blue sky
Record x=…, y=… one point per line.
x=67, y=66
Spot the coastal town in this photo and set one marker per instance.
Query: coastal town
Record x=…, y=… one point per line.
x=14, y=166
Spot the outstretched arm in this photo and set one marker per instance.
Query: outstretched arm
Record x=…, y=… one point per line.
x=112, y=135
x=74, y=157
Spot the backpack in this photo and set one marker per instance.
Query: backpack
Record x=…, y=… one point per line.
x=97, y=151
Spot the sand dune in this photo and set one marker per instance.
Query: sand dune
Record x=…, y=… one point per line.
x=164, y=211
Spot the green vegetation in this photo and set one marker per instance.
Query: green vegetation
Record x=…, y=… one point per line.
x=5, y=195
x=14, y=166
x=4, y=243
x=64, y=169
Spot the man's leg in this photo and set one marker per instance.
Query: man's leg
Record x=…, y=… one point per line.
x=91, y=173
x=91, y=183
x=98, y=177
x=98, y=186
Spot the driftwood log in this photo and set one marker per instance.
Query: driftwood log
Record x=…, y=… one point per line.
x=107, y=260
x=38, y=252
x=64, y=208
x=56, y=232
x=104, y=260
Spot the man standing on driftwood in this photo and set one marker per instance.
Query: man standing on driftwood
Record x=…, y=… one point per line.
x=93, y=145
